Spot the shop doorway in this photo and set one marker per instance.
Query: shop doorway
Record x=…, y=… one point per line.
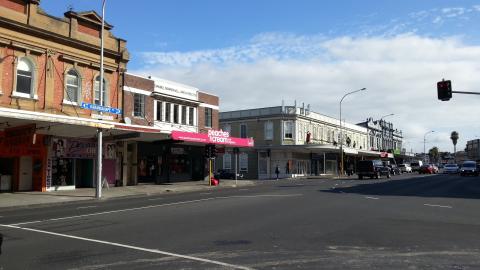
x=84, y=173
x=6, y=174
x=25, y=177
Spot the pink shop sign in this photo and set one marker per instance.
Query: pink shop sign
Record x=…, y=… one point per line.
x=212, y=137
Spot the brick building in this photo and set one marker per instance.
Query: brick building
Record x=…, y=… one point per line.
x=49, y=67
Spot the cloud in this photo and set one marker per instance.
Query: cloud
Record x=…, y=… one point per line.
x=400, y=73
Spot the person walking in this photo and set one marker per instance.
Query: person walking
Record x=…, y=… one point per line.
x=277, y=171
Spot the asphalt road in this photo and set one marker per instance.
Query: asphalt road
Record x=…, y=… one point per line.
x=408, y=222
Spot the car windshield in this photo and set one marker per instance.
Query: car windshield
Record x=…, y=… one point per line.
x=450, y=165
x=469, y=165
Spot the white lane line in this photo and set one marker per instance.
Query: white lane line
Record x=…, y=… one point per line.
x=372, y=198
x=243, y=189
x=206, y=193
x=156, y=199
x=113, y=211
x=153, y=206
x=85, y=207
x=436, y=205
x=133, y=247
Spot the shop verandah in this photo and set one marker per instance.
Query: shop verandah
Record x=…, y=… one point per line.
x=42, y=152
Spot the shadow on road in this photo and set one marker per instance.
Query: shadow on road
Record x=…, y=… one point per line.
x=442, y=186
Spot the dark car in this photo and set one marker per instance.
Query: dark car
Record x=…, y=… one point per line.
x=469, y=168
x=372, y=169
x=224, y=174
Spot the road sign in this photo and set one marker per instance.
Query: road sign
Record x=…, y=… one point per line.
x=100, y=108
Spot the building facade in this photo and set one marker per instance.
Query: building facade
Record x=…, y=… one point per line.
x=167, y=106
x=291, y=140
x=382, y=136
x=50, y=69
x=473, y=150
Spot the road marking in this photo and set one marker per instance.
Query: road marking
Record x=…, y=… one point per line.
x=243, y=189
x=156, y=199
x=132, y=247
x=372, y=198
x=206, y=193
x=436, y=205
x=113, y=211
x=85, y=207
x=153, y=206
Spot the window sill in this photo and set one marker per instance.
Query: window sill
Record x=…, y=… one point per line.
x=24, y=96
x=71, y=103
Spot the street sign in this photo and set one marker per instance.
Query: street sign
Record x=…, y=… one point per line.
x=102, y=117
x=100, y=108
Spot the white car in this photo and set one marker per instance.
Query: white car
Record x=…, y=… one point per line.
x=451, y=168
x=405, y=168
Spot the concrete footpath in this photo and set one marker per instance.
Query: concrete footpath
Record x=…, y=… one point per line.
x=25, y=199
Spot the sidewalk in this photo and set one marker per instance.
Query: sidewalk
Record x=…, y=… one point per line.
x=24, y=199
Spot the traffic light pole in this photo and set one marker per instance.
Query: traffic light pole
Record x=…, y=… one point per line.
x=468, y=93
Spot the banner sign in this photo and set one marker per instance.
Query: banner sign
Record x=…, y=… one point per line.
x=212, y=137
x=100, y=108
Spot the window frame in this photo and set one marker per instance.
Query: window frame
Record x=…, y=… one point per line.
x=288, y=125
x=105, y=91
x=268, y=130
x=226, y=157
x=243, y=160
x=66, y=97
x=191, y=116
x=243, y=130
x=208, y=117
x=31, y=64
x=138, y=111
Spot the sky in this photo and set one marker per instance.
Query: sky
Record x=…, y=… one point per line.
x=258, y=53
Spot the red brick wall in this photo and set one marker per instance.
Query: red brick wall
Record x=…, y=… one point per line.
x=16, y=5
x=128, y=102
x=210, y=100
x=89, y=29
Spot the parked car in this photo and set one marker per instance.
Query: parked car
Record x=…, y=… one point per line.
x=405, y=168
x=224, y=174
x=416, y=166
x=372, y=169
x=469, y=168
x=450, y=168
x=428, y=169
x=435, y=168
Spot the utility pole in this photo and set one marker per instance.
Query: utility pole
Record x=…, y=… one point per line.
x=98, y=190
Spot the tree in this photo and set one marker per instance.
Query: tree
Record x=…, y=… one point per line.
x=433, y=154
x=454, y=137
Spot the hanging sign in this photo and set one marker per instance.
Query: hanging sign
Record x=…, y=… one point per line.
x=100, y=108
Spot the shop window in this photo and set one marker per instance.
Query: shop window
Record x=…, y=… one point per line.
x=269, y=130
x=159, y=111
x=227, y=161
x=191, y=116
x=72, y=86
x=243, y=162
x=288, y=130
x=208, y=117
x=175, y=114
x=97, y=92
x=25, y=77
x=184, y=115
x=138, y=105
x=168, y=108
x=243, y=130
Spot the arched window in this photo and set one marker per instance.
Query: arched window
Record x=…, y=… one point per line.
x=97, y=92
x=24, y=76
x=72, y=86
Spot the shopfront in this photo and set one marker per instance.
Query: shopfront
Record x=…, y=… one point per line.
x=22, y=159
x=71, y=163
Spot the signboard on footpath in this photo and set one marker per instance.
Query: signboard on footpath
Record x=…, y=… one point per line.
x=212, y=137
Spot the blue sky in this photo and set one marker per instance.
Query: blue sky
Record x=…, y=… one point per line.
x=258, y=53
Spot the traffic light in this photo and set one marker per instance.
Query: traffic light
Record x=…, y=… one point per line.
x=444, y=90
x=208, y=151
x=213, y=151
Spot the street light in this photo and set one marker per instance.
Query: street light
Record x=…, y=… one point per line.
x=98, y=190
x=381, y=118
x=341, y=134
x=424, y=138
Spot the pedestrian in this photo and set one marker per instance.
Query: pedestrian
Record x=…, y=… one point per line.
x=277, y=171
